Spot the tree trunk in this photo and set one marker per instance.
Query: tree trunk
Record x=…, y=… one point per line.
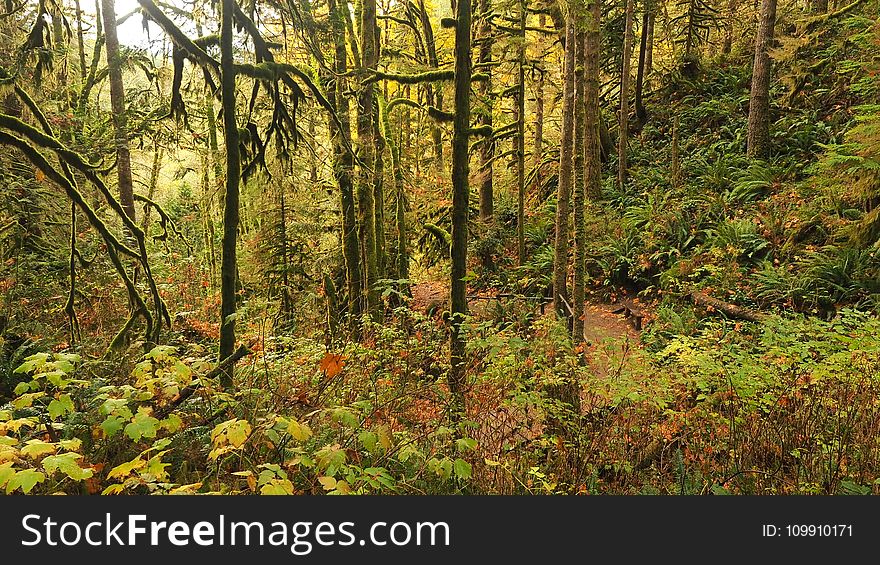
x=592, y=113
x=578, y=201
x=675, y=158
x=117, y=105
x=214, y=158
x=379, y=192
x=624, y=96
x=538, y=151
x=460, y=192
x=83, y=69
x=521, y=140
x=566, y=151
x=435, y=97
x=366, y=144
x=649, y=56
x=819, y=6
x=759, y=101
x=487, y=147
x=229, y=261
x=641, y=112
x=343, y=163
x=727, y=44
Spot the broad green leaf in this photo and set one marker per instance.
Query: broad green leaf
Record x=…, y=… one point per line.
x=142, y=426
x=111, y=425
x=25, y=479
x=172, y=423
x=466, y=444
x=6, y=473
x=61, y=406
x=67, y=463
x=369, y=440
x=462, y=469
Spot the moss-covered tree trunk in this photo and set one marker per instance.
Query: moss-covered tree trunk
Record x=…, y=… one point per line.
x=538, y=145
x=521, y=139
x=80, y=42
x=592, y=113
x=563, y=193
x=641, y=111
x=343, y=163
x=117, y=105
x=229, y=260
x=623, y=129
x=487, y=147
x=758, y=140
x=366, y=153
x=379, y=192
x=434, y=95
x=460, y=193
x=578, y=200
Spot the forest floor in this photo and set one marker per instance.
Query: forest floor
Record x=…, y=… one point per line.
x=609, y=336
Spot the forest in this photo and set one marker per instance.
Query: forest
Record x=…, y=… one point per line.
x=409, y=247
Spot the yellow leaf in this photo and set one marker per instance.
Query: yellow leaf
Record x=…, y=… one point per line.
x=36, y=447
x=299, y=432
x=329, y=483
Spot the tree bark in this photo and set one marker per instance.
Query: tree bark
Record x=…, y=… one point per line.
x=229, y=259
x=578, y=201
x=538, y=150
x=623, y=128
x=435, y=97
x=641, y=112
x=366, y=144
x=487, y=147
x=560, y=256
x=343, y=163
x=460, y=192
x=592, y=112
x=758, y=141
x=80, y=43
x=117, y=105
x=521, y=139
x=727, y=44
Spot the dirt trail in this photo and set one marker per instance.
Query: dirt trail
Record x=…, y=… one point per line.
x=609, y=336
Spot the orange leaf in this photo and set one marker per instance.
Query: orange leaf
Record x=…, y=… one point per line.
x=332, y=364
x=40, y=175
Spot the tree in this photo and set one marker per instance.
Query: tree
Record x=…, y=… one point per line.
x=229, y=257
x=758, y=139
x=484, y=94
x=521, y=138
x=117, y=104
x=366, y=153
x=460, y=195
x=343, y=163
x=579, y=186
x=566, y=165
x=623, y=128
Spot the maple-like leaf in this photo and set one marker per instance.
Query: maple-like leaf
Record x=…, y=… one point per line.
x=332, y=364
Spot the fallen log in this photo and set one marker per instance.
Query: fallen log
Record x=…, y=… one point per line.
x=732, y=310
